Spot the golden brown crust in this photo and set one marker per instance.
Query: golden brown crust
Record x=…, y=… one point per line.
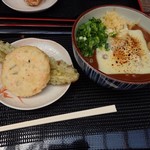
x=26, y=71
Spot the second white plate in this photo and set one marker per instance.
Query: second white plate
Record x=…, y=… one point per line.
x=21, y=5
x=51, y=93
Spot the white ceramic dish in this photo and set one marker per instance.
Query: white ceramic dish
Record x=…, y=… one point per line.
x=51, y=93
x=21, y=5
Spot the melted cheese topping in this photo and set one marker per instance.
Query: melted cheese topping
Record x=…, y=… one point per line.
x=128, y=54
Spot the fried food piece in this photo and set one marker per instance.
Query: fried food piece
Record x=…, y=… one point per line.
x=2, y=56
x=26, y=71
x=6, y=47
x=33, y=2
x=62, y=73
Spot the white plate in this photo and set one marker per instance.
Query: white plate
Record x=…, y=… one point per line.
x=21, y=5
x=51, y=93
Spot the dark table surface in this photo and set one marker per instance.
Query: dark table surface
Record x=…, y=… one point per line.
x=128, y=128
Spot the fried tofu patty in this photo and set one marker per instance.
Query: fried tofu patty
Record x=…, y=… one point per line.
x=26, y=71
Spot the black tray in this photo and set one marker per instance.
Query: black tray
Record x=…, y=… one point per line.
x=63, y=13
x=133, y=106
x=69, y=9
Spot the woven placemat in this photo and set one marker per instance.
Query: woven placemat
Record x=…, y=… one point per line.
x=133, y=108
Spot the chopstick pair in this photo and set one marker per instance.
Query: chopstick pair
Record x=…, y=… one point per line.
x=62, y=117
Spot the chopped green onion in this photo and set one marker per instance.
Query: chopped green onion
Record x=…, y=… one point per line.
x=90, y=36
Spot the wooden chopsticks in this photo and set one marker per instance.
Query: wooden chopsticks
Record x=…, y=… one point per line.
x=61, y=117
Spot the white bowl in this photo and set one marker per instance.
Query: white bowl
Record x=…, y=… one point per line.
x=94, y=73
